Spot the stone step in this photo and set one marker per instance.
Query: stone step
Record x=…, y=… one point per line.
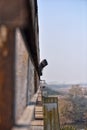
x=37, y=123
x=39, y=112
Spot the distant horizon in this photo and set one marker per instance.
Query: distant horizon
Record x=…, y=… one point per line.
x=62, y=83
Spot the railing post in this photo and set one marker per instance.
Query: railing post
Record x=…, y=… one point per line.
x=51, y=114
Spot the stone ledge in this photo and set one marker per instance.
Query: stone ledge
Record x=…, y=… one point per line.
x=24, y=123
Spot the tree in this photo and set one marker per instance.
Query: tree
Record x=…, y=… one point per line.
x=68, y=128
x=65, y=111
x=75, y=91
x=77, y=99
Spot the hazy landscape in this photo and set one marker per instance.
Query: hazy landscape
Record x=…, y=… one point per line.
x=72, y=101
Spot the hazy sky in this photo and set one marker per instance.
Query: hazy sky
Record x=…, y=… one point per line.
x=63, y=39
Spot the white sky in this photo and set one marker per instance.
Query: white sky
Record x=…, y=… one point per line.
x=63, y=40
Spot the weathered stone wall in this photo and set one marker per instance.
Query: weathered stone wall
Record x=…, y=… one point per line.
x=18, y=64
x=21, y=67
x=25, y=81
x=30, y=82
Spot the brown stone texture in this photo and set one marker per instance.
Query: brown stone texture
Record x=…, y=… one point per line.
x=6, y=78
x=13, y=12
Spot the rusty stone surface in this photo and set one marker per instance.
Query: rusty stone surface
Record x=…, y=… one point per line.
x=13, y=12
x=15, y=86
x=6, y=77
x=16, y=90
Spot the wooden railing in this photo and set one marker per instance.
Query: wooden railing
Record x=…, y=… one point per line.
x=51, y=115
